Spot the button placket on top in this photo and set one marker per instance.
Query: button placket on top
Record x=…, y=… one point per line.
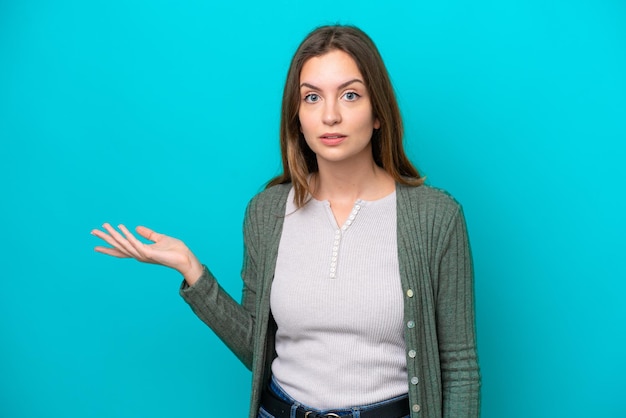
x=335, y=256
x=339, y=236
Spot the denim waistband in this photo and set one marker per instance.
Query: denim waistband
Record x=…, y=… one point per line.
x=280, y=393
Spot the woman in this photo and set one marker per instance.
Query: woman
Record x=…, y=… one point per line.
x=357, y=297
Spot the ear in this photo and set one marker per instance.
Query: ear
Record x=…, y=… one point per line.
x=376, y=123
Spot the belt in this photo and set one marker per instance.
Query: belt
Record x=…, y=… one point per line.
x=282, y=409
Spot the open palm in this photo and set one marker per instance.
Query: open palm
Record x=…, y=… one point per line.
x=164, y=250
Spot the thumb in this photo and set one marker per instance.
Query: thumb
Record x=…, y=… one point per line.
x=148, y=233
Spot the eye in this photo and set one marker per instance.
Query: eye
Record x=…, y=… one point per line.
x=311, y=98
x=351, y=96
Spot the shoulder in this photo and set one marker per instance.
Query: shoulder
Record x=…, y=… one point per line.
x=271, y=194
x=430, y=211
x=271, y=200
x=427, y=198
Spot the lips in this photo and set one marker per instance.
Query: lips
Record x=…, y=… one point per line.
x=331, y=139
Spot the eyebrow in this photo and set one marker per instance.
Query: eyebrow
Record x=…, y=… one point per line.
x=341, y=86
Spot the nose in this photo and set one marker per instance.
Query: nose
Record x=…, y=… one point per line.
x=331, y=116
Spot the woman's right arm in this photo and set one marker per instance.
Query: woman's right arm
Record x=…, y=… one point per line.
x=234, y=323
x=231, y=321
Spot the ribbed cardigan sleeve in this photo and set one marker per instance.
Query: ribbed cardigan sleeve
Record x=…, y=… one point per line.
x=456, y=324
x=232, y=322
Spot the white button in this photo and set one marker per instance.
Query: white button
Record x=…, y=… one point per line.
x=334, y=253
x=410, y=324
x=416, y=408
x=344, y=227
x=357, y=207
x=409, y=293
x=351, y=217
x=336, y=243
x=332, y=275
x=412, y=353
x=349, y=222
x=337, y=232
x=414, y=380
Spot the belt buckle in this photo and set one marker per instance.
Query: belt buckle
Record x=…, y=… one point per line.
x=329, y=415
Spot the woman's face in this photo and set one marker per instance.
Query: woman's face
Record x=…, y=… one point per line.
x=335, y=110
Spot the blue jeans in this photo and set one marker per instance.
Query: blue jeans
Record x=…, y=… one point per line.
x=355, y=410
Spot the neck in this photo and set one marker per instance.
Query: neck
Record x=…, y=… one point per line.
x=349, y=182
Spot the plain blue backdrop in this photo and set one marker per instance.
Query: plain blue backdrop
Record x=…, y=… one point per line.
x=166, y=113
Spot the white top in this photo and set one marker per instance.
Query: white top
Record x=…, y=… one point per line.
x=338, y=303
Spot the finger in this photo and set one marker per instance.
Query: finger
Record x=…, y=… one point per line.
x=148, y=233
x=122, y=242
x=112, y=252
x=109, y=240
x=139, y=246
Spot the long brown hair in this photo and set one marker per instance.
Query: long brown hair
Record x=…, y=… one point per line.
x=297, y=158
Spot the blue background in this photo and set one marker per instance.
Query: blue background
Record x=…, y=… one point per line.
x=166, y=114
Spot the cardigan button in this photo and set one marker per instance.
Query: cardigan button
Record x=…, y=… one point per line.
x=412, y=353
x=410, y=324
x=416, y=408
x=409, y=293
x=414, y=380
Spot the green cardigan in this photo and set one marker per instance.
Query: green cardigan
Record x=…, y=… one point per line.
x=437, y=280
